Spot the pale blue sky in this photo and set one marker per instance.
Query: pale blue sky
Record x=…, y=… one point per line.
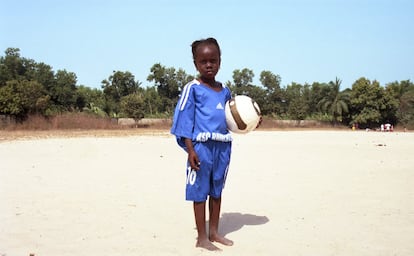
x=302, y=41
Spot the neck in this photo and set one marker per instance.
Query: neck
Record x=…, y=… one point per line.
x=209, y=82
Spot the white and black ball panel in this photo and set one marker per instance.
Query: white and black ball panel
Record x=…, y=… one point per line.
x=242, y=114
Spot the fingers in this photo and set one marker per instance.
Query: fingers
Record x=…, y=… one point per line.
x=196, y=165
x=194, y=162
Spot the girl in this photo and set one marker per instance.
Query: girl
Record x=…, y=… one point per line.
x=199, y=125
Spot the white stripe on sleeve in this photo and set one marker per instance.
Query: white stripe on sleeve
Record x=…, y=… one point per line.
x=186, y=93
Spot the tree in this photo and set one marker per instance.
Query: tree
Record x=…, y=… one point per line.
x=152, y=101
x=11, y=66
x=403, y=93
x=169, y=83
x=164, y=80
x=132, y=106
x=273, y=99
x=367, y=101
x=318, y=92
x=118, y=85
x=297, y=106
x=242, y=80
x=90, y=100
x=270, y=81
x=63, y=90
x=406, y=109
x=21, y=98
x=335, y=102
x=45, y=75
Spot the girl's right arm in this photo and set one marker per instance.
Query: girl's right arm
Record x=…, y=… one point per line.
x=192, y=155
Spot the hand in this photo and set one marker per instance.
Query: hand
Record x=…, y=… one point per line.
x=192, y=155
x=193, y=160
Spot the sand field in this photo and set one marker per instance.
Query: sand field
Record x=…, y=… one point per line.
x=287, y=193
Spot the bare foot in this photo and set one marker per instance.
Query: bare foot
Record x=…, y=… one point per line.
x=206, y=244
x=221, y=240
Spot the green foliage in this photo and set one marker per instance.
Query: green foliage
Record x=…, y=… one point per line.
x=31, y=88
x=94, y=110
x=318, y=91
x=11, y=66
x=272, y=101
x=132, y=106
x=242, y=79
x=297, y=105
x=152, y=102
x=404, y=93
x=370, y=105
x=20, y=98
x=335, y=102
x=169, y=83
x=86, y=97
x=323, y=117
x=63, y=92
x=118, y=85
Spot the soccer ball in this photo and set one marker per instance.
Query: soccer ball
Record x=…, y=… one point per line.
x=242, y=114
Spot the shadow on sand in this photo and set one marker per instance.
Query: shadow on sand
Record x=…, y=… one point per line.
x=233, y=221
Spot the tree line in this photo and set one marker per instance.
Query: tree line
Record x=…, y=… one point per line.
x=28, y=88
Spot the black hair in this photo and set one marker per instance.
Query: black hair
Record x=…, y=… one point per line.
x=207, y=41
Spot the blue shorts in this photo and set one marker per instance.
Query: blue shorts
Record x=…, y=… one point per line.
x=209, y=180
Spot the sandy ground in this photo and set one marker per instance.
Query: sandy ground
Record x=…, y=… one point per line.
x=287, y=193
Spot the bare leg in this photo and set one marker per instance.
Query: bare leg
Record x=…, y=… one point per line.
x=200, y=219
x=214, y=207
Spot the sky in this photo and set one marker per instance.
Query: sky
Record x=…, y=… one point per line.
x=302, y=41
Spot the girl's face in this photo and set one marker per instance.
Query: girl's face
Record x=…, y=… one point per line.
x=207, y=61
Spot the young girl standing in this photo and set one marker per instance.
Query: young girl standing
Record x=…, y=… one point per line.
x=199, y=125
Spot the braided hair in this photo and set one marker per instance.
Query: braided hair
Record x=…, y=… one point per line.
x=208, y=41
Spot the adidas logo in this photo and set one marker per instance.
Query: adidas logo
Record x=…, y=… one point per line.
x=219, y=106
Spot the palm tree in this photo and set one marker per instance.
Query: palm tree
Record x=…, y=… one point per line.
x=335, y=103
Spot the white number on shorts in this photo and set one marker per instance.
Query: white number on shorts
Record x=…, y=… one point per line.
x=191, y=176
